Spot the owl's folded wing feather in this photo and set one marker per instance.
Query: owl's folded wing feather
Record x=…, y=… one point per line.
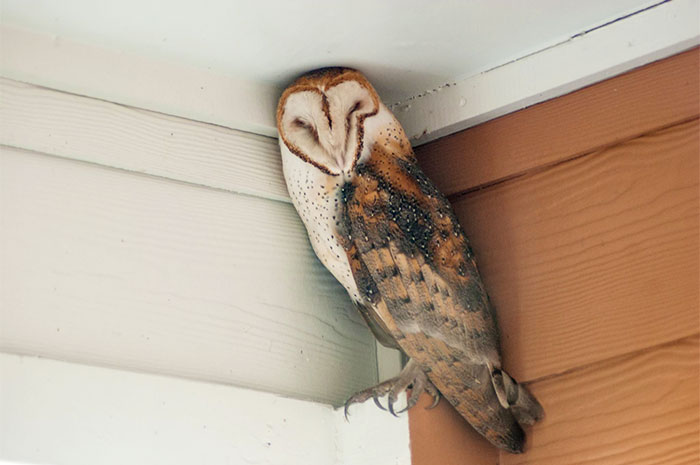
x=412, y=262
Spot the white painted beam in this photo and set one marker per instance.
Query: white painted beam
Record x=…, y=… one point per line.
x=586, y=58
x=64, y=413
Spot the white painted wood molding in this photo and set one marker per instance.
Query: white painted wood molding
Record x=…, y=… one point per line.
x=586, y=58
x=64, y=413
x=199, y=94
x=107, y=267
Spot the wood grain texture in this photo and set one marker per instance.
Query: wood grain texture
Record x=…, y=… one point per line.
x=82, y=128
x=105, y=267
x=593, y=258
x=641, y=409
x=442, y=436
x=655, y=96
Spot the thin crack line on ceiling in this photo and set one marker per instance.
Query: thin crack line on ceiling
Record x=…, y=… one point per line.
x=406, y=102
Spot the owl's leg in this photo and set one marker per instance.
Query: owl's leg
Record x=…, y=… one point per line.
x=411, y=375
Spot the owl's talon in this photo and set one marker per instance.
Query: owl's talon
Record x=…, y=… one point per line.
x=391, y=401
x=436, y=400
x=409, y=403
x=432, y=390
x=375, y=398
x=373, y=393
x=391, y=410
x=412, y=399
x=411, y=375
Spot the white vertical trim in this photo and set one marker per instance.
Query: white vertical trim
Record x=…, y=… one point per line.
x=388, y=362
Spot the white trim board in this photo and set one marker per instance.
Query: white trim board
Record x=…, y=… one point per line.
x=587, y=57
x=652, y=34
x=64, y=413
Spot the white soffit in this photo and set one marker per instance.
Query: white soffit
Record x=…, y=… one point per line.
x=444, y=65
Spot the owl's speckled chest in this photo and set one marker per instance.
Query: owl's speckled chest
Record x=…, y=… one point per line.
x=317, y=198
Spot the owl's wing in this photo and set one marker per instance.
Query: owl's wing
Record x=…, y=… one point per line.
x=407, y=249
x=412, y=262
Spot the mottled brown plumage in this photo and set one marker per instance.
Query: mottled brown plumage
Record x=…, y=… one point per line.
x=395, y=243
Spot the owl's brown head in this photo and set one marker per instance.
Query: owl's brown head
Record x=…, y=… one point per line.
x=321, y=117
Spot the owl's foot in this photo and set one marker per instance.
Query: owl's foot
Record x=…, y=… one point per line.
x=412, y=376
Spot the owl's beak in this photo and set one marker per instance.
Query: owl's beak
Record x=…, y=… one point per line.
x=336, y=148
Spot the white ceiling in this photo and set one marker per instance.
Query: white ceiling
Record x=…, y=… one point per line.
x=405, y=47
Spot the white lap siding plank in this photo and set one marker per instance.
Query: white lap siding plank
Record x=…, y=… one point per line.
x=87, y=129
x=137, y=80
x=111, y=268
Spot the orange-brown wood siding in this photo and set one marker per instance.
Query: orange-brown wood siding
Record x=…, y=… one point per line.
x=584, y=215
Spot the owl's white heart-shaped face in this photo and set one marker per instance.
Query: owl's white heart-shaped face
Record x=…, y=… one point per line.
x=321, y=118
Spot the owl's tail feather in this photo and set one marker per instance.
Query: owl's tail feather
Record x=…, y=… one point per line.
x=468, y=388
x=511, y=395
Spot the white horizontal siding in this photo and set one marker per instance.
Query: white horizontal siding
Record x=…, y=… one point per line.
x=139, y=81
x=64, y=413
x=88, y=129
x=108, y=267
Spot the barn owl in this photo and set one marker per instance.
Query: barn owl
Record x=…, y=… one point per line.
x=392, y=240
